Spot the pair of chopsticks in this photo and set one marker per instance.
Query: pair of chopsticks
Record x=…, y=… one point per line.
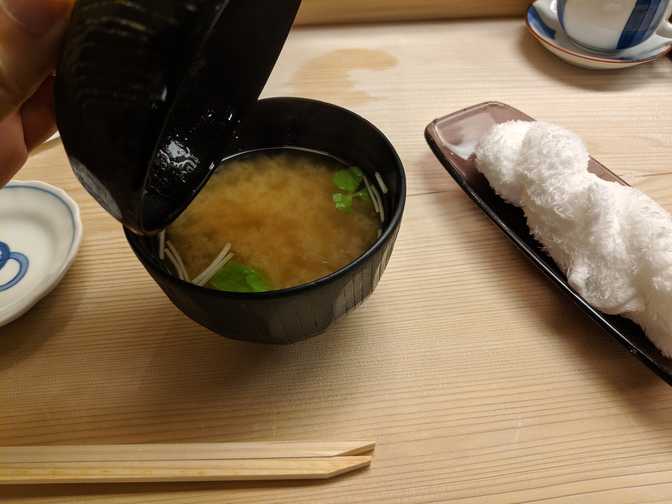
x=146, y=463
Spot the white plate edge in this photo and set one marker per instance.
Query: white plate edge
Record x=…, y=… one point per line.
x=78, y=233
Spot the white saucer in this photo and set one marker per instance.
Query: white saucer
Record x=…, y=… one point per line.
x=550, y=34
x=40, y=234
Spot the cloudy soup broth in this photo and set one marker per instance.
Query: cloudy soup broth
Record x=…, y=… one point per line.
x=274, y=219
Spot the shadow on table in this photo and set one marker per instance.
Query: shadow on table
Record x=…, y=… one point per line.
x=606, y=360
x=48, y=318
x=191, y=385
x=595, y=80
x=218, y=365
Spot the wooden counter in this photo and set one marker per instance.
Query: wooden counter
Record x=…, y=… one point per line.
x=480, y=382
x=349, y=11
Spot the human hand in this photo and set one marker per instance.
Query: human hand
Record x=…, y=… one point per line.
x=30, y=39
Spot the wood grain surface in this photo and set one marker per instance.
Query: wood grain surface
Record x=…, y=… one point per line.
x=349, y=11
x=480, y=383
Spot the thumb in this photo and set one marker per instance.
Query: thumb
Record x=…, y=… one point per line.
x=30, y=38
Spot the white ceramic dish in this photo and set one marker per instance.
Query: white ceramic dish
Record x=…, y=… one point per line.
x=40, y=235
x=543, y=24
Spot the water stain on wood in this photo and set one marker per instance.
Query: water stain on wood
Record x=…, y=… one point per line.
x=330, y=74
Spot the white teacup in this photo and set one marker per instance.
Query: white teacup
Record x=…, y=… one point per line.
x=615, y=25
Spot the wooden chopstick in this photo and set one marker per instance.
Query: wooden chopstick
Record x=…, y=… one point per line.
x=180, y=462
x=187, y=451
x=36, y=473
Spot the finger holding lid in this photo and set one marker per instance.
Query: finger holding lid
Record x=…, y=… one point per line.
x=30, y=38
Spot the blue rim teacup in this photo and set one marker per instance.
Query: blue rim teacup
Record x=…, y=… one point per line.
x=613, y=25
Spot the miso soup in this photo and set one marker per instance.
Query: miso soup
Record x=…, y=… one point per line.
x=275, y=219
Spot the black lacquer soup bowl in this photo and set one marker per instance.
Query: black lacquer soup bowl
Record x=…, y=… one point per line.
x=151, y=96
x=290, y=315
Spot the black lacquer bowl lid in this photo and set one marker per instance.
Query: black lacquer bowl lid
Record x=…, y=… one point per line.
x=149, y=92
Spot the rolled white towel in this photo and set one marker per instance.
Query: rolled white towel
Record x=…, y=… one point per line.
x=613, y=242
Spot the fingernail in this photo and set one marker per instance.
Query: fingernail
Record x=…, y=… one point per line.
x=36, y=16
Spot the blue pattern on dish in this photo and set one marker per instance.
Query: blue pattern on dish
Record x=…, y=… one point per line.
x=538, y=24
x=7, y=255
x=644, y=19
x=73, y=220
x=651, y=22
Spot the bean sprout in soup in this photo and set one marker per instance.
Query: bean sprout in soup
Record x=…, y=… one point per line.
x=275, y=219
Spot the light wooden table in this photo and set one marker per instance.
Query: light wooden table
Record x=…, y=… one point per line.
x=348, y=11
x=480, y=382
